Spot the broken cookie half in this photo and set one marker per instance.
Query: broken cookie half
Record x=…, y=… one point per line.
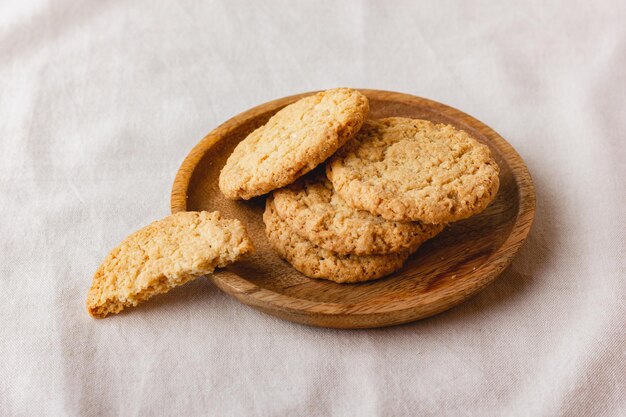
x=163, y=255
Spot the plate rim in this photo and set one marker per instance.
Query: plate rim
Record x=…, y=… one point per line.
x=278, y=304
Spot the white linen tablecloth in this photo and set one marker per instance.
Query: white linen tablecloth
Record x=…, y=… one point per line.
x=100, y=101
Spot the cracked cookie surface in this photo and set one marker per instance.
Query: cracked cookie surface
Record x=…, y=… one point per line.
x=293, y=142
x=316, y=262
x=318, y=214
x=414, y=170
x=165, y=254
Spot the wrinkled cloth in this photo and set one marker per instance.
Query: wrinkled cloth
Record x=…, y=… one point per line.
x=101, y=101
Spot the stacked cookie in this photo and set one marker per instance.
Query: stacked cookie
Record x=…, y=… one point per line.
x=351, y=199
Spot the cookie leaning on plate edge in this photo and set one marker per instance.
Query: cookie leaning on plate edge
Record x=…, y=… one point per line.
x=165, y=254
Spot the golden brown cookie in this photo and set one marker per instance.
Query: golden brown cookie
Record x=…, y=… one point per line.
x=316, y=262
x=293, y=142
x=316, y=213
x=163, y=255
x=409, y=169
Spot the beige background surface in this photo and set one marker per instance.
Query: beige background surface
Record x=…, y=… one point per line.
x=101, y=101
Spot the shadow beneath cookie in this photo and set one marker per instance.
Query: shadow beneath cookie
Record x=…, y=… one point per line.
x=189, y=296
x=514, y=283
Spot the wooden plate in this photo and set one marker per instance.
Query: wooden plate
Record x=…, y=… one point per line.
x=447, y=270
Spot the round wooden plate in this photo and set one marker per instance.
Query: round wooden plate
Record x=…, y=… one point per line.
x=447, y=270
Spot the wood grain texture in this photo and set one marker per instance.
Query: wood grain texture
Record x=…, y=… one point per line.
x=447, y=270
